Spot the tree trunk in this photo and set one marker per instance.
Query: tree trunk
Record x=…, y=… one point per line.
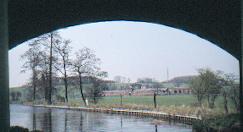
x=199, y=100
x=225, y=103
x=121, y=99
x=50, y=73
x=45, y=85
x=66, y=87
x=213, y=97
x=235, y=104
x=65, y=80
x=208, y=101
x=34, y=83
x=81, y=88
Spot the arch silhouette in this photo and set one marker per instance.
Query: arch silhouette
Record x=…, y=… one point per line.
x=217, y=21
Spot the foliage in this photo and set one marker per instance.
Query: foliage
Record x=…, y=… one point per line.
x=212, y=82
x=207, y=84
x=198, y=89
x=95, y=92
x=15, y=96
x=18, y=129
x=21, y=129
x=230, y=90
x=218, y=123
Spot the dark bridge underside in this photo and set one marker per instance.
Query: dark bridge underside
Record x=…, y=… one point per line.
x=215, y=20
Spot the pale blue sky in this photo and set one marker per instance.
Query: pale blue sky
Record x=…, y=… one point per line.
x=137, y=49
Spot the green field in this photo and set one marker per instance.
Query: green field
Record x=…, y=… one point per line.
x=148, y=100
x=140, y=102
x=173, y=100
x=182, y=104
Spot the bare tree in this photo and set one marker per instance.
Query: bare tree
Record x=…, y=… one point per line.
x=32, y=57
x=44, y=71
x=230, y=91
x=63, y=49
x=48, y=40
x=95, y=92
x=85, y=64
x=198, y=89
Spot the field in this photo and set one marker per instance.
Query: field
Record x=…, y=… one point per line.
x=174, y=104
x=176, y=100
x=182, y=104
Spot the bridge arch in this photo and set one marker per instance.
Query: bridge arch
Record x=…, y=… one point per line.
x=218, y=21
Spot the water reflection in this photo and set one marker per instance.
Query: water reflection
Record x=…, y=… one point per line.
x=61, y=120
x=34, y=119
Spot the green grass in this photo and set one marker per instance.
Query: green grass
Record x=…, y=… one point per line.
x=164, y=101
x=148, y=100
x=172, y=102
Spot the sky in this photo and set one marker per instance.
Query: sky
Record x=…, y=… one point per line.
x=137, y=50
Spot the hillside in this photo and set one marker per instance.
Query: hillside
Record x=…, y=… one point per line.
x=182, y=81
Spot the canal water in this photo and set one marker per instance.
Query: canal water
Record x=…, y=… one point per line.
x=61, y=120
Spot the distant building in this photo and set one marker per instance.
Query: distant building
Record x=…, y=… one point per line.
x=149, y=91
x=180, y=90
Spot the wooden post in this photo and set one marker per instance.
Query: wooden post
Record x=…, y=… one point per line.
x=4, y=80
x=121, y=99
x=155, y=103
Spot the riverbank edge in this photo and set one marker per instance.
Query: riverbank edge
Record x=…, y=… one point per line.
x=144, y=113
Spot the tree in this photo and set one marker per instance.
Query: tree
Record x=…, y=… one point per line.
x=63, y=49
x=212, y=83
x=198, y=89
x=32, y=56
x=230, y=90
x=225, y=91
x=85, y=64
x=48, y=40
x=15, y=95
x=44, y=71
x=96, y=91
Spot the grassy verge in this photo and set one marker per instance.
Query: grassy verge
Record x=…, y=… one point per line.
x=177, y=104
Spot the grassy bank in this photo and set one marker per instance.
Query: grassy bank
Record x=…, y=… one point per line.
x=176, y=100
x=176, y=104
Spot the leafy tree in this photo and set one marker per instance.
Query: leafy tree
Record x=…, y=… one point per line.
x=212, y=83
x=85, y=64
